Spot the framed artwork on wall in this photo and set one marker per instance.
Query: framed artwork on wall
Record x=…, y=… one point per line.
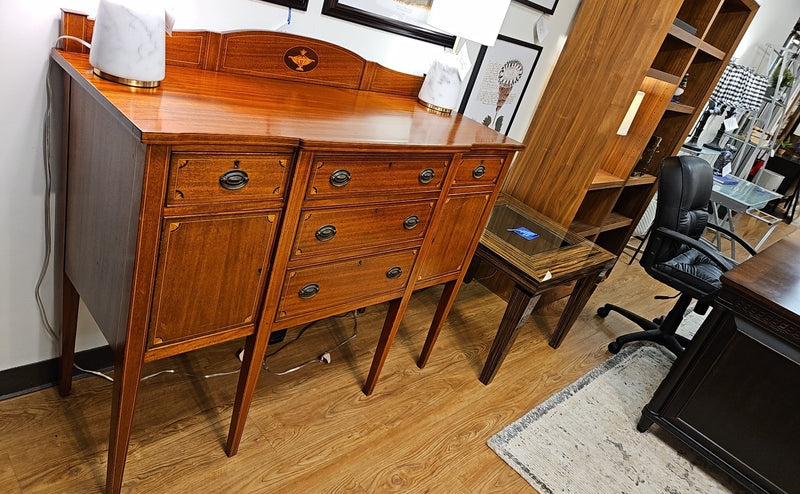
x=546, y=6
x=295, y=4
x=499, y=79
x=404, y=17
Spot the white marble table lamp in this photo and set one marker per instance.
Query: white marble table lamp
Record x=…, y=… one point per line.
x=128, y=43
x=441, y=87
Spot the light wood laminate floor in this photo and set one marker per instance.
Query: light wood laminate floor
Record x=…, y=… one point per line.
x=313, y=430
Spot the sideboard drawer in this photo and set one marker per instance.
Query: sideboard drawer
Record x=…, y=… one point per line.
x=316, y=288
x=361, y=175
x=349, y=228
x=478, y=170
x=197, y=178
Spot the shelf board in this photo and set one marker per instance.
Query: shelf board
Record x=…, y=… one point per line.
x=583, y=229
x=664, y=76
x=604, y=180
x=711, y=50
x=684, y=35
x=680, y=108
x=641, y=180
x=614, y=221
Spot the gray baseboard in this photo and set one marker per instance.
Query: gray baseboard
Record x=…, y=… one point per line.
x=39, y=375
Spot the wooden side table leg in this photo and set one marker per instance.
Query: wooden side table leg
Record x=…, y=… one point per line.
x=69, y=326
x=127, y=372
x=473, y=266
x=442, y=309
x=506, y=333
x=390, y=326
x=254, y=349
x=577, y=300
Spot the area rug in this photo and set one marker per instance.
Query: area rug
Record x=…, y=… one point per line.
x=584, y=438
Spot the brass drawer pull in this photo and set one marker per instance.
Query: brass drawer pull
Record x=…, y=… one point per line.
x=233, y=179
x=394, y=272
x=411, y=222
x=325, y=233
x=479, y=171
x=340, y=178
x=308, y=291
x=426, y=175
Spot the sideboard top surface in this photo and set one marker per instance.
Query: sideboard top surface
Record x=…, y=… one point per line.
x=195, y=105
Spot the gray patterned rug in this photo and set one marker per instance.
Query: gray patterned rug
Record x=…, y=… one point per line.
x=584, y=439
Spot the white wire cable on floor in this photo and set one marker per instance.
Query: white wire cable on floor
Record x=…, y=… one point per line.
x=324, y=358
x=165, y=371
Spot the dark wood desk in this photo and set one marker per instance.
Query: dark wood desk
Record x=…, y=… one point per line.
x=245, y=196
x=553, y=258
x=734, y=394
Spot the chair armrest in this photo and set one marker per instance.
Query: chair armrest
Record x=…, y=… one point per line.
x=714, y=255
x=739, y=240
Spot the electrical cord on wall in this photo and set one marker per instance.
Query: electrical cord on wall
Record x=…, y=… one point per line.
x=48, y=167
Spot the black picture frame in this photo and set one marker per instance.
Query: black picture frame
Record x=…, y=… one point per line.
x=295, y=4
x=506, y=48
x=335, y=8
x=546, y=6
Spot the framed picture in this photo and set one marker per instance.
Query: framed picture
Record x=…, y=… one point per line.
x=499, y=79
x=404, y=17
x=295, y=4
x=546, y=6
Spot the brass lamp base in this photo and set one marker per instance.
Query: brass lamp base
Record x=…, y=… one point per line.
x=434, y=108
x=123, y=80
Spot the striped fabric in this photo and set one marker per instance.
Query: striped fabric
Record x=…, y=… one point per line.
x=740, y=87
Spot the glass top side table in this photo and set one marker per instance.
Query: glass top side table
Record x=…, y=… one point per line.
x=551, y=257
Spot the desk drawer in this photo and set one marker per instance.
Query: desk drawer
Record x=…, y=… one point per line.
x=200, y=178
x=478, y=170
x=349, y=228
x=351, y=176
x=316, y=288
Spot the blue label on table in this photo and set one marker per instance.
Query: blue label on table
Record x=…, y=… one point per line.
x=524, y=233
x=725, y=180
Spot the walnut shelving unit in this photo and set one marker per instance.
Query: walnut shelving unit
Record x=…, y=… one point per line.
x=575, y=168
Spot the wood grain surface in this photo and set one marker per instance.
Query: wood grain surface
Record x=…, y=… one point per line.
x=313, y=430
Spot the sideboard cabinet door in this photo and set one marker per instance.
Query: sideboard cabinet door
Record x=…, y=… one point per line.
x=210, y=274
x=453, y=237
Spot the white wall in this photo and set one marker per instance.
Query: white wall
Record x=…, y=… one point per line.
x=27, y=31
x=771, y=25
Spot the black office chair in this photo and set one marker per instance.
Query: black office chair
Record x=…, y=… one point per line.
x=675, y=255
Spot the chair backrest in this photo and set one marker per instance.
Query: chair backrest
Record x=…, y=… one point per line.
x=684, y=191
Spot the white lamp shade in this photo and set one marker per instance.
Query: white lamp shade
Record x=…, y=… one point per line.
x=442, y=85
x=128, y=42
x=475, y=20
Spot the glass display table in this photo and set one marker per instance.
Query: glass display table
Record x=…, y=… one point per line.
x=740, y=196
x=537, y=254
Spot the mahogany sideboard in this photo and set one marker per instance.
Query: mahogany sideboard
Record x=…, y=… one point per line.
x=271, y=180
x=734, y=394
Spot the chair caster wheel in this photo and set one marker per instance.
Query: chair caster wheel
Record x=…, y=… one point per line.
x=603, y=311
x=614, y=347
